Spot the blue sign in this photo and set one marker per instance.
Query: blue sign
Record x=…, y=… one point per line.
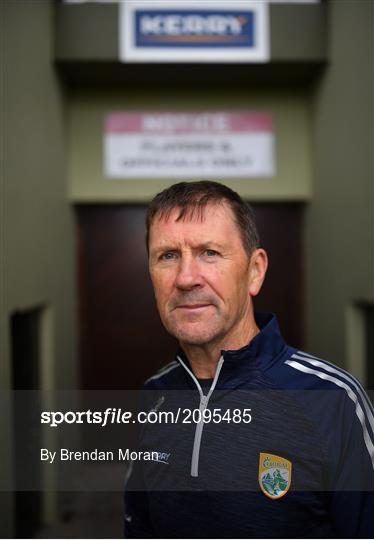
x=188, y=29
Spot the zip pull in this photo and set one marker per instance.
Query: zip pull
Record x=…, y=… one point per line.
x=203, y=402
x=158, y=404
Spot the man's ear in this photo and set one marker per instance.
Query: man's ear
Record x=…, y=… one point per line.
x=258, y=267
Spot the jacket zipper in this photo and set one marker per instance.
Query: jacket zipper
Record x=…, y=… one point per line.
x=204, y=400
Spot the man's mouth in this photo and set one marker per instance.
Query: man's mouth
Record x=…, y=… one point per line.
x=192, y=306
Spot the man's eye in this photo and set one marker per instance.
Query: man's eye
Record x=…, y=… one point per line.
x=210, y=252
x=167, y=256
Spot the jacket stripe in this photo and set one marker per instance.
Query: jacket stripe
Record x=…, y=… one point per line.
x=359, y=412
x=340, y=371
x=353, y=382
x=163, y=371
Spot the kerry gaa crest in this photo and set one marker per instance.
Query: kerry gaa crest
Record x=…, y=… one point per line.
x=274, y=475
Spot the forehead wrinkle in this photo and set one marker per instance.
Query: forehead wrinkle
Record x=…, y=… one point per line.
x=171, y=238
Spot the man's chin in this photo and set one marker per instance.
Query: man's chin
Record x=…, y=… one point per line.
x=197, y=337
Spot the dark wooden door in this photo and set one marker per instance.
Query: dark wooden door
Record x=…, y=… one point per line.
x=122, y=340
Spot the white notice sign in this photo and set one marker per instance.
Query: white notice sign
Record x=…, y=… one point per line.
x=189, y=145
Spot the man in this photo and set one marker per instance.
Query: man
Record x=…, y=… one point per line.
x=282, y=445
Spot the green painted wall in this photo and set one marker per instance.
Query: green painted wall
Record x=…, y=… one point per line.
x=340, y=239
x=37, y=233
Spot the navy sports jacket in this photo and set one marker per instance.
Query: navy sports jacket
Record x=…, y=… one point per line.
x=299, y=463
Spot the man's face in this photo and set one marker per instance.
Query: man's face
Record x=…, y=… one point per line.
x=201, y=274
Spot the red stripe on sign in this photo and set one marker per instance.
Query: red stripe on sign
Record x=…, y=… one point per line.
x=160, y=122
x=123, y=122
x=252, y=121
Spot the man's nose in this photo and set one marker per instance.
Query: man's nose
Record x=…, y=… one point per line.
x=188, y=275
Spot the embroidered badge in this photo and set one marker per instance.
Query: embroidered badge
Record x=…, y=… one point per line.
x=274, y=475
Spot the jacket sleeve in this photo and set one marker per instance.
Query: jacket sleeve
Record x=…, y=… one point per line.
x=352, y=503
x=137, y=518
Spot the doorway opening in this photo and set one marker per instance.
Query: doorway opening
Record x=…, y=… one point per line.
x=26, y=375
